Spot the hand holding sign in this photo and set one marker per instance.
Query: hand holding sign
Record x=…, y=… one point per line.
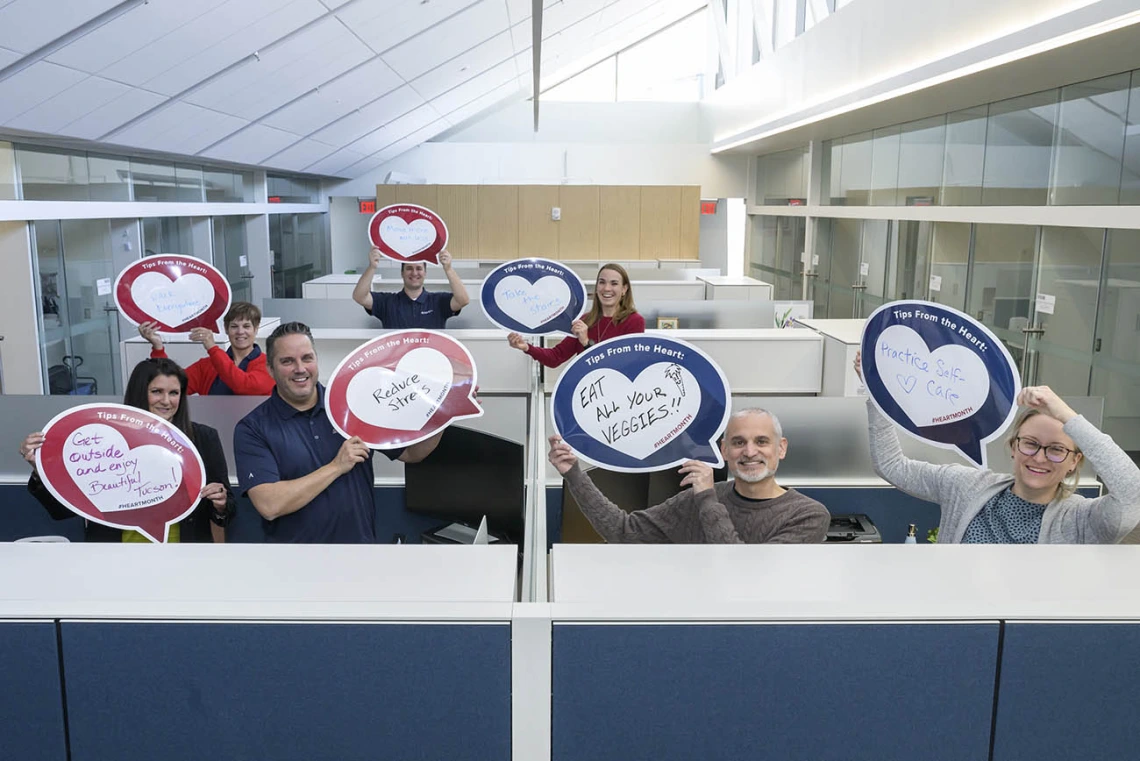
x=940, y=375
x=172, y=293
x=406, y=232
x=401, y=388
x=122, y=467
x=642, y=403
x=533, y=296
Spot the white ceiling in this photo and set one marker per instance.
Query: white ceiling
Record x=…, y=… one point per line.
x=331, y=87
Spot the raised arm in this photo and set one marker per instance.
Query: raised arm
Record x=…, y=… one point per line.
x=614, y=524
x=362, y=293
x=1115, y=514
x=459, y=297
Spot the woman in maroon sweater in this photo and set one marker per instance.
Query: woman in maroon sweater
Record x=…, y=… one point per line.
x=611, y=315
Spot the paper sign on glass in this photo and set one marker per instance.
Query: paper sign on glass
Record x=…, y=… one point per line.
x=402, y=387
x=642, y=403
x=406, y=232
x=940, y=375
x=121, y=467
x=533, y=296
x=178, y=292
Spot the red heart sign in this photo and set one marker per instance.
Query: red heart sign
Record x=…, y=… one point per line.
x=401, y=388
x=122, y=467
x=408, y=233
x=178, y=292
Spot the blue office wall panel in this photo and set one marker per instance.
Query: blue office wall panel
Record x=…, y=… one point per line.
x=31, y=707
x=1069, y=692
x=173, y=691
x=850, y=692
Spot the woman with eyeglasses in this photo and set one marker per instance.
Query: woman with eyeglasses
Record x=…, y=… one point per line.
x=1037, y=503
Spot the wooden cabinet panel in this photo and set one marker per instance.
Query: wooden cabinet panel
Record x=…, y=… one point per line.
x=498, y=222
x=421, y=195
x=578, y=230
x=385, y=196
x=459, y=207
x=660, y=222
x=538, y=233
x=690, y=243
x=619, y=228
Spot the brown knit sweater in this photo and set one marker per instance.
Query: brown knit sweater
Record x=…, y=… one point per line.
x=714, y=516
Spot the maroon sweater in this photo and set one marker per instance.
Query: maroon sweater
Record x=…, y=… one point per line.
x=605, y=328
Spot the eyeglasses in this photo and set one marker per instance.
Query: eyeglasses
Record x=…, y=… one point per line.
x=1053, y=452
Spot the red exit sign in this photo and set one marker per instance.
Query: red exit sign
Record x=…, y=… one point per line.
x=708, y=207
x=367, y=207
x=274, y=199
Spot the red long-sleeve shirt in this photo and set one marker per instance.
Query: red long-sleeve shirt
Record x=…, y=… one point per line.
x=601, y=330
x=253, y=381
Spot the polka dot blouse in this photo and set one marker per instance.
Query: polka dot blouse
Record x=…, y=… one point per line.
x=1005, y=519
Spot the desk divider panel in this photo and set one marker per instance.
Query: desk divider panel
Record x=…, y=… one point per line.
x=778, y=692
x=171, y=691
x=31, y=705
x=1069, y=691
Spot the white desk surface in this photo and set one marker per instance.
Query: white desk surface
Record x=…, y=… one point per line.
x=844, y=582
x=731, y=280
x=844, y=331
x=367, y=334
x=252, y=581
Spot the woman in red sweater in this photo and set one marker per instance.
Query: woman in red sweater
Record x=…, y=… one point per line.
x=240, y=370
x=611, y=315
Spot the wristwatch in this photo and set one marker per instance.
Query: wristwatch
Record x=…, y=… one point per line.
x=220, y=519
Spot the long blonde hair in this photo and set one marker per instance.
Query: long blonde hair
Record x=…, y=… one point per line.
x=625, y=307
x=1069, y=485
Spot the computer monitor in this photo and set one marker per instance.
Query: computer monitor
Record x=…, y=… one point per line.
x=470, y=474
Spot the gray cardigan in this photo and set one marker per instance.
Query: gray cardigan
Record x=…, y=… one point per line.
x=962, y=491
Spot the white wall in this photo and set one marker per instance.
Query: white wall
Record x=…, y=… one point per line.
x=20, y=351
x=578, y=143
x=874, y=47
x=348, y=233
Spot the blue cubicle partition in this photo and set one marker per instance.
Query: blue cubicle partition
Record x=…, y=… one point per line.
x=1069, y=691
x=31, y=706
x=773, y=692
x=173, y=691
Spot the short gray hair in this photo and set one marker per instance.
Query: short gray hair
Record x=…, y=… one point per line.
x=760, y=411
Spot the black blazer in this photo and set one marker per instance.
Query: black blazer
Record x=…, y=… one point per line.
x=194, y=528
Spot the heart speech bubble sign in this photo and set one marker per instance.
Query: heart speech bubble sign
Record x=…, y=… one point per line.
x=179, y=292
x=405, y=232
x=122, y=467
x=402, y=387
x=533, y=296
x=642, y=403
x=940, y=375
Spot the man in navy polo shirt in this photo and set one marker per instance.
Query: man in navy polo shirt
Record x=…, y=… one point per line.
x=414, y=306
x=309, y=484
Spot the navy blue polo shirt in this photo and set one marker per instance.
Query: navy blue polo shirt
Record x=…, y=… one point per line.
x=219, y=387
x=430, y=310
x=277, y=442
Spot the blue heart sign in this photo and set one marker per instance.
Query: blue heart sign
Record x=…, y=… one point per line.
x=641, y=403
x=940, y=375
x=533, y=296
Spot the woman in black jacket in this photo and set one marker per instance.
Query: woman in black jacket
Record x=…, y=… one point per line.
x=158, y=385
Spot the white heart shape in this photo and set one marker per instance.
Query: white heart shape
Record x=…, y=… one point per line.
x=637, y=417
x=172, y=302
x=932, y=387
x=407, y=239
x=114, y=476
x=532, y=304
x=403, y=399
